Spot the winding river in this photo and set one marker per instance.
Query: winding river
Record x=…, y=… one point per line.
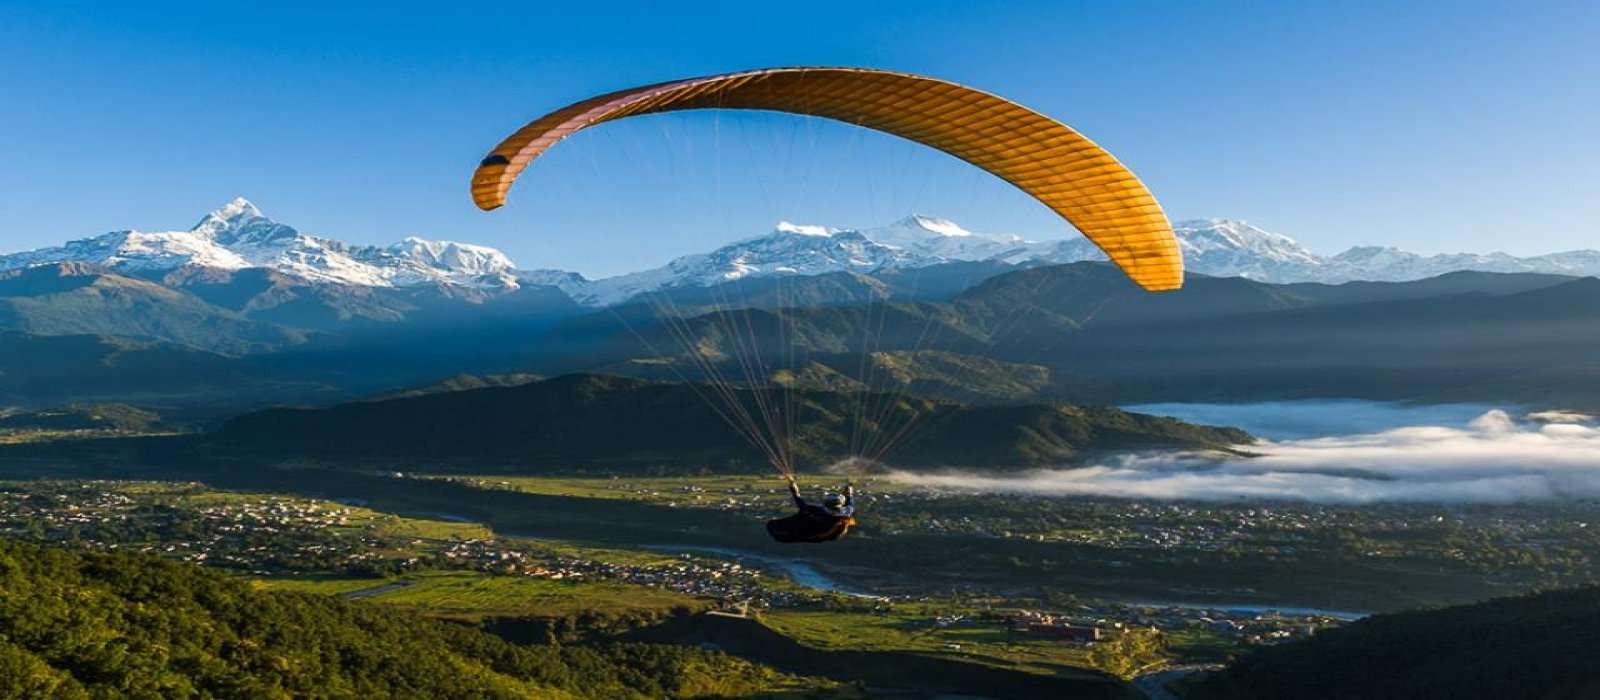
x=797, y=570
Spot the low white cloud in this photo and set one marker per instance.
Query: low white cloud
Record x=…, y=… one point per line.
x=1561, y=417
x=1489, y=458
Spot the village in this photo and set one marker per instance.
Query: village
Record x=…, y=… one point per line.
x=1541, y=540
x=1091, y=622
x=278, y=536
x=268, y=535
x=718, y=579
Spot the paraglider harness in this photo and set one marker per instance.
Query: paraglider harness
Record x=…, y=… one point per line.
x=814, y=523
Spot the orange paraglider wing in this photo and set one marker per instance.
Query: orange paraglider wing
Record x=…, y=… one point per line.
x=1076, y=178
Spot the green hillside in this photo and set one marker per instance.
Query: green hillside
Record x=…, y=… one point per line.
x=79, y=625
x=596, y=419
x=111, y=417
x=72, y=299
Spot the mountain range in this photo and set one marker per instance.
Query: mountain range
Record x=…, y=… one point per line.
x=1079, y=332
x=172, y=320
x=238, y=242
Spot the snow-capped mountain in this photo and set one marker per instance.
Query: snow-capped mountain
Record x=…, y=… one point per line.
x=789, y=249
x=1221, y=247
x=1230, y=248
x=239, y=236
x=944, y=240
x=1217, y=247
x=1395, y=264
x=797, y=249
x=1225, y=248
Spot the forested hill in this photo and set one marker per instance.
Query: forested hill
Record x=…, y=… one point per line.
x=1080, y=332
x=1535, y=646
x=604, y=419
x=87, y=625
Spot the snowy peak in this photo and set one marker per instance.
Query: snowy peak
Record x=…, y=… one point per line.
x=1211, y=235
x=917, y=230
x=789, y=249
x=787, y=253
x=795, y=249
x=1223, y=247
x=463, y=258
x=239, y=236
x=942, y=227
x=230, y=217
x=943, y=240
x=1231, y=248
x=802, y=230
x=1369, y=254
x=1385, y=263
x=240, y=225
x=133, y=251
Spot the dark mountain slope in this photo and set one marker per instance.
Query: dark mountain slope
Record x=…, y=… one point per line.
x=931, y=283
x=1478, y=336
x=1466, y=335
x=74, y=299
x=47, y=370
x=1089, y=294
x=1534, y=646
x=1534, y=346
x=266, y=295
x=1449, y=284
x=1095, y=337
x=461, y=382
x=352, y=310
x=588, y=419
x=1100, y=293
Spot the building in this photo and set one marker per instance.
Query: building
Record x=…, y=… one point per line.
x=1067, y=633
x=1052, y=627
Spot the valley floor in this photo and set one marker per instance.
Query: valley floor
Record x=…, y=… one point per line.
x=978, y=588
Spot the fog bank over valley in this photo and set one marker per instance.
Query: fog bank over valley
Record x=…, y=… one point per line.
x=1342, y=452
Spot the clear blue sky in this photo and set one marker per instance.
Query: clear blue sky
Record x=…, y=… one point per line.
x=1436, y=126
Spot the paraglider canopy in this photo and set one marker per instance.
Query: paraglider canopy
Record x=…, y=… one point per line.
x=1061, y=168
x=1074, y=177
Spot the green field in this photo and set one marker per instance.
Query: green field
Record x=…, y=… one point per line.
x=713, y=491
x=476, y=595
x=912, y=628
